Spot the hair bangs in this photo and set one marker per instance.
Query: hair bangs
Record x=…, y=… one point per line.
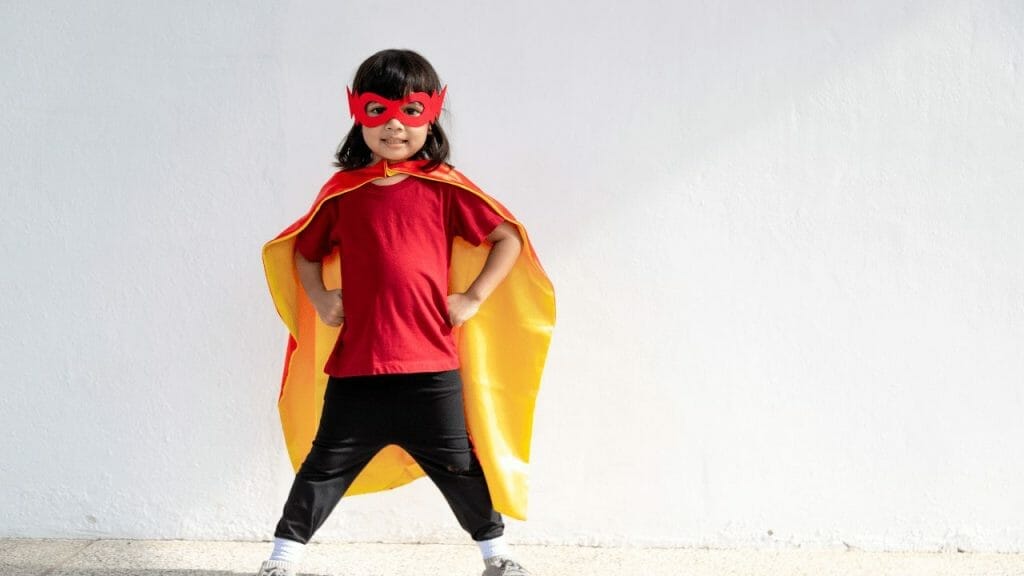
x=394, y=74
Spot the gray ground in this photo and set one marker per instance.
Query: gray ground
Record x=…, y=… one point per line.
x=177, y=558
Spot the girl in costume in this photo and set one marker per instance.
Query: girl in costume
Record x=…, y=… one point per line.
x=419, y=320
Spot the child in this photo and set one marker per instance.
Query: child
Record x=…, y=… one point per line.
x=445, y=316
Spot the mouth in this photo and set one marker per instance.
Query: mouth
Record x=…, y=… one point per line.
x=393, y=141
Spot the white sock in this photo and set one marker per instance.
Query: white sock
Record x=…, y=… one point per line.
x=287, y=550
x=494, y=547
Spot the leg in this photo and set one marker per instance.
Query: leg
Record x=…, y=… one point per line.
x=434, y=433
x=345, y=442
x=465, y=489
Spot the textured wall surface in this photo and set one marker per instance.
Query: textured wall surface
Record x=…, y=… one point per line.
x=786, y=238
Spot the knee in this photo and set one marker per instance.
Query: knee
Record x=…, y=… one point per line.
x=463, y=464
x=320, y=464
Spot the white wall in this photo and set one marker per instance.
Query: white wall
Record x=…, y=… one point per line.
x=786, y=238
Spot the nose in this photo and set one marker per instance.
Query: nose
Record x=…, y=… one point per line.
x=394, y=124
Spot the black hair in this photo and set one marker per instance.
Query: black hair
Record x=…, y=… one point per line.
x=394, y=74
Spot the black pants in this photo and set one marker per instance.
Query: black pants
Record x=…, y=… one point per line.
x=422, y=413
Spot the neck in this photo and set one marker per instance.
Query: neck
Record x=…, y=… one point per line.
x=389, y=180
x=387, y=177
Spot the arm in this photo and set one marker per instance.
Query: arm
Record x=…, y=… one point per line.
x=327, y=302
x=505, y=247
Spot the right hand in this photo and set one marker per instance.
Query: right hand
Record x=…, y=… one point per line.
x=329, y=308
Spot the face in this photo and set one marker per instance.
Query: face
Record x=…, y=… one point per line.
x=393, y=140
x=395, y=129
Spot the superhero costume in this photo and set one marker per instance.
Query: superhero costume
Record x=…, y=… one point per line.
x=502, y=349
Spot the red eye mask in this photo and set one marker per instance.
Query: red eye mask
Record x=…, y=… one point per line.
x=395, y=108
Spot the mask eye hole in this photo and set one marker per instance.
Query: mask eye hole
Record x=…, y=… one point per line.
x=412, y=109
x=375, y=109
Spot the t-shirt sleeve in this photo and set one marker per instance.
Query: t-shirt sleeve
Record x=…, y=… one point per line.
x=470, y=216
x=317, y=240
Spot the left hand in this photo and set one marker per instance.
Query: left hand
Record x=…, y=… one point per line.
x=461, y=307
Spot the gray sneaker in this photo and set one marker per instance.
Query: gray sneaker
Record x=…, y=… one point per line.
x=276, y=568
x=503, y=566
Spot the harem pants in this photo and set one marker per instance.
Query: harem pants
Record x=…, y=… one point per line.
x=422, y=413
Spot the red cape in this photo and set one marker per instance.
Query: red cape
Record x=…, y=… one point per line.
x=502, y=349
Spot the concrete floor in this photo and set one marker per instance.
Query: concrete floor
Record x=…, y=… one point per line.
x=178, y=558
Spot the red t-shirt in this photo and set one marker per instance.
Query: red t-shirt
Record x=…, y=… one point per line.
x=395, y=245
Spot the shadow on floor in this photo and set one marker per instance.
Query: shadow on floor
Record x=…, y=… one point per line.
x=15, y=570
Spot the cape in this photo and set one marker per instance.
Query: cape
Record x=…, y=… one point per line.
x=502, y=349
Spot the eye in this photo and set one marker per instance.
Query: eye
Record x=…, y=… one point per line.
x=375, y=109
x=413, y=109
